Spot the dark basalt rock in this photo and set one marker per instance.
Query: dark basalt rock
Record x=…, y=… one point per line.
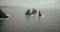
x=39, y=13
x=28, y=12
x=2, y=14
x=34, y=11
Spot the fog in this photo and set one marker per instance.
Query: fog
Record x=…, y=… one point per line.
x=19, y=22
x=31, y=3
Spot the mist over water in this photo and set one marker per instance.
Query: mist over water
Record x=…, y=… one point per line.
x=19, y=22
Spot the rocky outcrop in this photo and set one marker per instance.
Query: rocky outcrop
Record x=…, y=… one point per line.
x=34, y=11
x=2, y=14
x=39, y=13
x=28, y=12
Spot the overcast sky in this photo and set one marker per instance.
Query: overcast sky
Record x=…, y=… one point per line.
x=31, y=3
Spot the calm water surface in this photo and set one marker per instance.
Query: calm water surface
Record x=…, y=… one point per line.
x=19, y=22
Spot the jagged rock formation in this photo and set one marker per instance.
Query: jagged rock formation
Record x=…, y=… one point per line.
x=39, y=13
x=2, y=14
x=28, y=12
x=34, y=11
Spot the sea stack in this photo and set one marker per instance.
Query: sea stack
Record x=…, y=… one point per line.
x=2, y=14
x=28, y=12
x=34, y=11
x=39, y=13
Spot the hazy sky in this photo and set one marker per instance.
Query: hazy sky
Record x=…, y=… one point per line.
x=31, y=3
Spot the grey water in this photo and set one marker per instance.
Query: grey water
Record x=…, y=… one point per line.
x=19, y=22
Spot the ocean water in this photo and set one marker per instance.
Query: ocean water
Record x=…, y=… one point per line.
x=19, y=22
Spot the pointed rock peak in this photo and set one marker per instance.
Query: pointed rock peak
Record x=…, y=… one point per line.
x=2, y=14
x=34, y=11
x=28, y=12
x=39, y=13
